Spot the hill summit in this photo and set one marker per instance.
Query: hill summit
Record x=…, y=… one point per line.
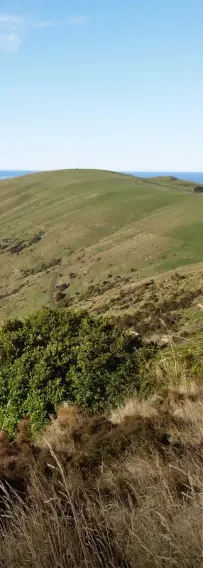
x=91, y=227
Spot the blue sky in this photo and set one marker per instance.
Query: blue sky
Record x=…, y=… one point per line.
x=113, y=84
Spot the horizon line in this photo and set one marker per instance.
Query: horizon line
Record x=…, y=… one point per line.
x=102, y=169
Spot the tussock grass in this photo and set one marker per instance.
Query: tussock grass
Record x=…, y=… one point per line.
x=177, y=366
x=137, y=503
x=141, y=523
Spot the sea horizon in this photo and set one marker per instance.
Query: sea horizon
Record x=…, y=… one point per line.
x=196, y=177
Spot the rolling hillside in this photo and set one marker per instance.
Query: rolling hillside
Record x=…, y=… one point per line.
x=99, y=230
x=100, y=428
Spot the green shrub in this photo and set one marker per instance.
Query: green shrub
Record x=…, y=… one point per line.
x=59, y=355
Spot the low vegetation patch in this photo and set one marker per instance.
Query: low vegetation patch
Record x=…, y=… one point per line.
x=198, y=189
x=15, y=246
x=43, y=267
x=155, y=309
x=7, y=293
x=103, y=287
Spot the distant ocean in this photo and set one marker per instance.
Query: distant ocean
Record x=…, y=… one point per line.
x=5, y=174
x=196, y=177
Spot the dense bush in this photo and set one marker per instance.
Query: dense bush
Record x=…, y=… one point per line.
x=58, y=355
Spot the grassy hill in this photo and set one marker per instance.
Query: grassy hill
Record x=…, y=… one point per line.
x=93, y=227
x=101, y=446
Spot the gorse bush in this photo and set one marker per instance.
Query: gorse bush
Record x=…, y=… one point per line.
x=59, y=355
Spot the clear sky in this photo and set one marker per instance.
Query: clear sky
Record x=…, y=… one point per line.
x=111, y=84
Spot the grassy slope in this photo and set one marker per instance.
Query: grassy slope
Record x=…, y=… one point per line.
x=144, y=508
x=98, y=223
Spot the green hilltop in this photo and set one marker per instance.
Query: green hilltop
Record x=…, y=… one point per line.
x=91, y=226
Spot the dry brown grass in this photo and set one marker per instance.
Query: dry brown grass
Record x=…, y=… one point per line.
x=119, y=492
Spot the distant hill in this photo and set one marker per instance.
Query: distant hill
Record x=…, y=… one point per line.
x=95, y=228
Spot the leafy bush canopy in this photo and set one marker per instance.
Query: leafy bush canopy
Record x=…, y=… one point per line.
x=59, y=355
